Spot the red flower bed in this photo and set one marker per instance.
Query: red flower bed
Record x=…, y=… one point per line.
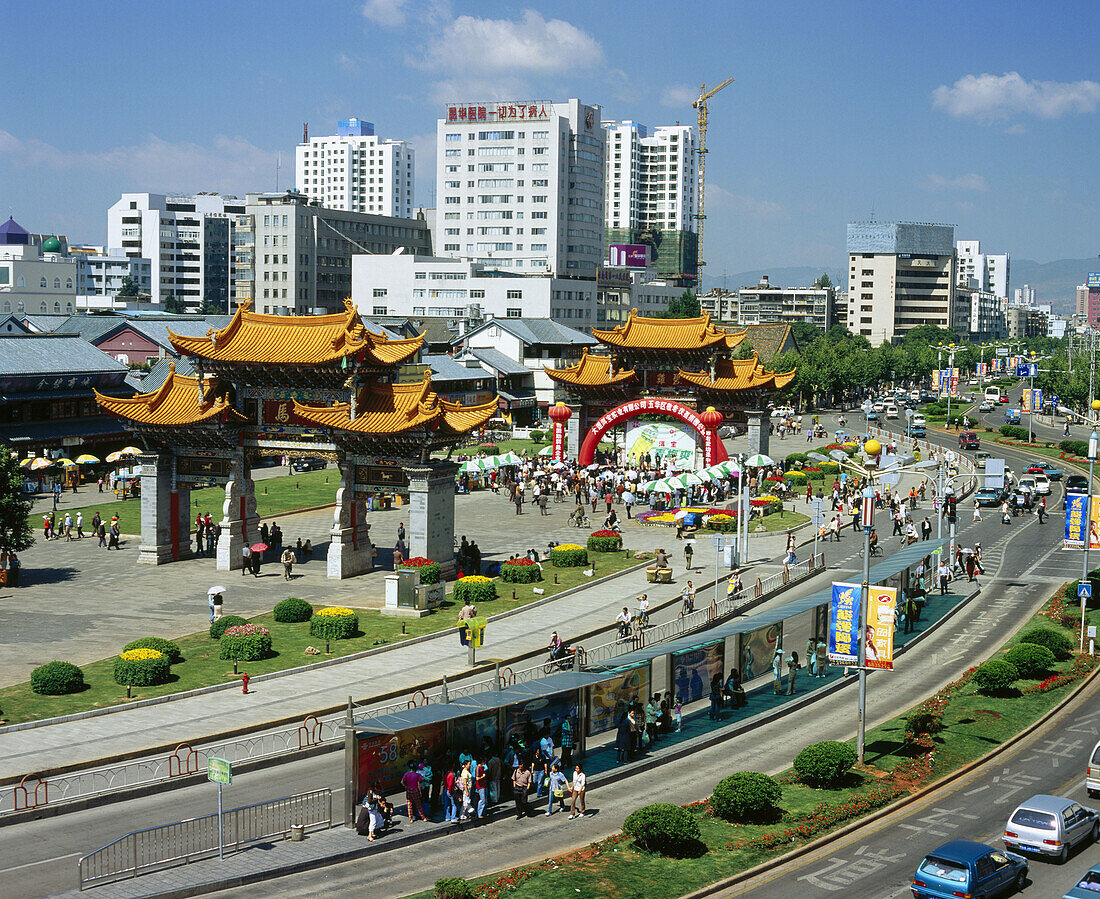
x=519, y=563
x=774, y=478
x=605, y=533
x=1081, y=667
x=417, y=562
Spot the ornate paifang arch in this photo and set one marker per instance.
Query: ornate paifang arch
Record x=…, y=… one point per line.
x=713, y=450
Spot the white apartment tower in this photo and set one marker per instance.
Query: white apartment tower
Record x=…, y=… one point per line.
x=989, y=271
x=652, y=178
x=520, y=186
x=356, y=171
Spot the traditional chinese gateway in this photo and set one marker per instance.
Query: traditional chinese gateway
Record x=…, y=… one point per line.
x=678, y=367
x=318, y=385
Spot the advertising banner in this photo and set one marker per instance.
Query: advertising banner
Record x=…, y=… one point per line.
x=558, y=447
x=1082, y=517
x=880, y=628
x=384, y=758
x=693, y=670
x=844, y=624
x=469, y=733
x=758, y=649
x=527, y=718
x=609, y=700
x=1037, y=400
x=1093, y=279
x=632, y=255
x=666, y=443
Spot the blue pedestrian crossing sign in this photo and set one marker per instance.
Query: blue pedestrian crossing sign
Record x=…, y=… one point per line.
x=1084, y=591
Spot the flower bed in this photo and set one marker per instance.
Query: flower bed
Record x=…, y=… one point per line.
x=723, y=523
x=927, y=718
x=768, y=503
x=605, y=541
x=813, y=472
x=429, y=570
x=520, y=571
x=334, y=623
x=1082, y=666
x=667, y=518
x=141, y=667
x=568, y=555
x=245, y=643
x=165, y=647
x=474, y=588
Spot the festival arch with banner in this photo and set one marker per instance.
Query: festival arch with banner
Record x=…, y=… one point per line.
x=713, y=450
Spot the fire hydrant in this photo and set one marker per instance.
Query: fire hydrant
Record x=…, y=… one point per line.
x=244, y=683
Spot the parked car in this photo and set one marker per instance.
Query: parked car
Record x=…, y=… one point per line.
x=1077, y=483
x=1087, y=887
x=966, y=868
x=1050, y=825
x=308, y=464
x=1092, y=773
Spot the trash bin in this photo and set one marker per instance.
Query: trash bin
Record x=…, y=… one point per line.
x=297, y=832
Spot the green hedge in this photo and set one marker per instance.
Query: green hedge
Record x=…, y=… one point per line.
x=995, y=676
x=814, y=472
x=797, y=478
x=795, y=460
x=1013, y=432
x=1056, y=641
x=1078, y=448
x=605, y=542
x=662, y=827
x=292, y=609
x=1030, y=659
x=521, y=571
x=723, y=524
x=144, y=672
x=537, y=436
x=568, y=556
x=828, y=467
x=333, y=627
x=490, y=449
x=452, y=888
x=57, y=679
x=429, y=570
x=824, y=763
x=166, y=647
x=474, y=589
x=245, y=643
x=217, y=628
x=745, y=796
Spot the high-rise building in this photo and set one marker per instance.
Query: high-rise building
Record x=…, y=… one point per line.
x=1024, y=296
x=186, y=240
x=900, y=275
x=1082, y=305
x=520, y=186
x=357, y=171
x=652, y=194
x=989, y=271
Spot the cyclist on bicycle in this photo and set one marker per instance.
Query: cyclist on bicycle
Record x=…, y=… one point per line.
x=643, y=610
x=733, y=587
x=873, y=542
x=688, y=596
x=623, y=620
x=556, y=646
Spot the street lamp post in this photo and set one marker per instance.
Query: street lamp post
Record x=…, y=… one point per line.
x=867, y=518
x=1088, y=525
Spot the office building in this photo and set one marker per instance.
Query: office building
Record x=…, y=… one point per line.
x=1082, y=305
x=900, y=275
x=981, y=313
x=520, y=187
x=293, y=256
x=36, y=278
x=356, y=171
x=989, y=272
x=186, y=240
x=768, y=303
x=1024, y=296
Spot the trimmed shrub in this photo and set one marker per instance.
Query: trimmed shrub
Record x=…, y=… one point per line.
x=520, y=571
x=824, y=763
x=814, y=472
x=829, y=467
x=724, y=524
x=1013, y=432
x=605, y=542
x=293, y=609
x=245, y=643
x=429, y=570
x=167, y=647
x=745, y=796
x=334, y=623
x=57, y=679
x=568, y=555
x=1056, y=641
x=795, y=460
x=537, y=436
x=994, y=676
x=490, y=449
x=217, y=628
x=923, y=723
x=662, y=827
x=797, y=478
x=1078, y=448
x=452, y=888
x=141, y=667
x=474, y=588
x=1030, y=659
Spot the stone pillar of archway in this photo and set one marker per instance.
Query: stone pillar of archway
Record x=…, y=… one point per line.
x=239, y=526
x=759, y=424
x=165, y=511
x=350, y=551
x=432, y=513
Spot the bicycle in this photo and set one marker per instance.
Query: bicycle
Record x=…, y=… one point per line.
x=571, y=657
x=876, y=550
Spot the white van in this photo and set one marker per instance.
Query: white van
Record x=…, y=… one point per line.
x=993, y=394
x=1092, y=773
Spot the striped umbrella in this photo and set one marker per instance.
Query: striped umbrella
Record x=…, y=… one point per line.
x=759, y=461
x=26, y=463
x=87, y=459
x=40, y=463
x=68, y=463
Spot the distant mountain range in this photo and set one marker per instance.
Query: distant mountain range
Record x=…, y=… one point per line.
x=1054, y=282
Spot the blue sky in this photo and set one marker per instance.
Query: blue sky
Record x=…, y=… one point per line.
x=984, y=115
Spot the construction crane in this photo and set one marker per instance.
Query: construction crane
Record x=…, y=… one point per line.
x=701, y=105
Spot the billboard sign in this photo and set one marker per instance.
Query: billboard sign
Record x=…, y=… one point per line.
x=880, y=628
x=612, y=277
x=1093, y=279
x=631, y=255
x=844, y=624
x=670, y=444
x=1082, y=518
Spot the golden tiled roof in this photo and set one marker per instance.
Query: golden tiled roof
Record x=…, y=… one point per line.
x=638, y=332
x=178, y=402
x=738, y=374
x=296, y=340
x=591, y=371
x=395, y=408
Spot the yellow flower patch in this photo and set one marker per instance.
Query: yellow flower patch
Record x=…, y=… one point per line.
x=334, y=612
x=140, y=655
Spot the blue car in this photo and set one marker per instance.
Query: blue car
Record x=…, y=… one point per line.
x=966, y=868
x=1012, y=416
x=1088, y=887
x=871, y=415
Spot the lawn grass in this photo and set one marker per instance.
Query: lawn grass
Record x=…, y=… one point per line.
x=201, y=666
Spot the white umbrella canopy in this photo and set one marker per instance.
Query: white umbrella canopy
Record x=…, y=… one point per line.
x=546, y=450
x=509, y=459
x=817, y=457
x=759, y=461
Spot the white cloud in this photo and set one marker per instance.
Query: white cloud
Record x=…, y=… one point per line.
x=987, y=98
x=679, y=95
x=971, y=181
x=346, y=63
x=388, y=13
x=228, y=164
x=748, y=207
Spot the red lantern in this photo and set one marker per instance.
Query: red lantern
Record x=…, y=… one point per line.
x=560, y=413
x=711, y=419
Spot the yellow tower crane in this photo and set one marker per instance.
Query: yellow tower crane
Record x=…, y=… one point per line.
x=701, y=105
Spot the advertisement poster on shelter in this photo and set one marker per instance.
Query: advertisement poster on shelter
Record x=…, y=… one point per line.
x=844, y=624
x=669, y=444
x=609, y=700
x=758, y=649
x=880, y=628
x=469, y=733
x=383, y=758
x=1078, y=525
x=692, y=670
x=527, y=718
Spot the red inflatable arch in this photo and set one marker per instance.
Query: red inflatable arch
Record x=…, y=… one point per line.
x=713, y=450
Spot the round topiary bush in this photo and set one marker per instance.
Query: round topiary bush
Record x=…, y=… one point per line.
x=995, y=676
x=724, y=524
x=1056, y=641
x=568, y=555
x=292, y=609
x=141, y=667
x=662, y=827
x=1030, y=659
x=490, y=449
x=245, y=643
x=795, y=460
x=474, y=588
x=520, y=571
x=429, y=570
x=217, y=628
x=57, y=679
x=745, y=796
x=814, y=473
x=923, y=723
x=452, y=888
x=167, y=647
x=824, y=763
x=604, y=542
x=797, y=478
x=334, y=623
x=537, y=436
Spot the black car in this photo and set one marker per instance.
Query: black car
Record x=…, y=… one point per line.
x=309, y=464
x=1077, y=483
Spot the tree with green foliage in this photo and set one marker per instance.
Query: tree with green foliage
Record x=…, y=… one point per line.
x=684, y=306
x=173, y=305
x=15, y=505
x=804, y=333
x=824, y=281
x=130, y=287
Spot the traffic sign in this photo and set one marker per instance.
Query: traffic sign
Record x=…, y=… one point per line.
x=219, y=771
x=1084, y=591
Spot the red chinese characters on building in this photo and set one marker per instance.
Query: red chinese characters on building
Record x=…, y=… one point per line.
x=467, y=114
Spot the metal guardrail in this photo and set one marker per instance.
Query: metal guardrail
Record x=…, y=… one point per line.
x=182, y=842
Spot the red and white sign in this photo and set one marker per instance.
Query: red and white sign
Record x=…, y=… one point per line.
x=713, y=450
x=500, y=112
